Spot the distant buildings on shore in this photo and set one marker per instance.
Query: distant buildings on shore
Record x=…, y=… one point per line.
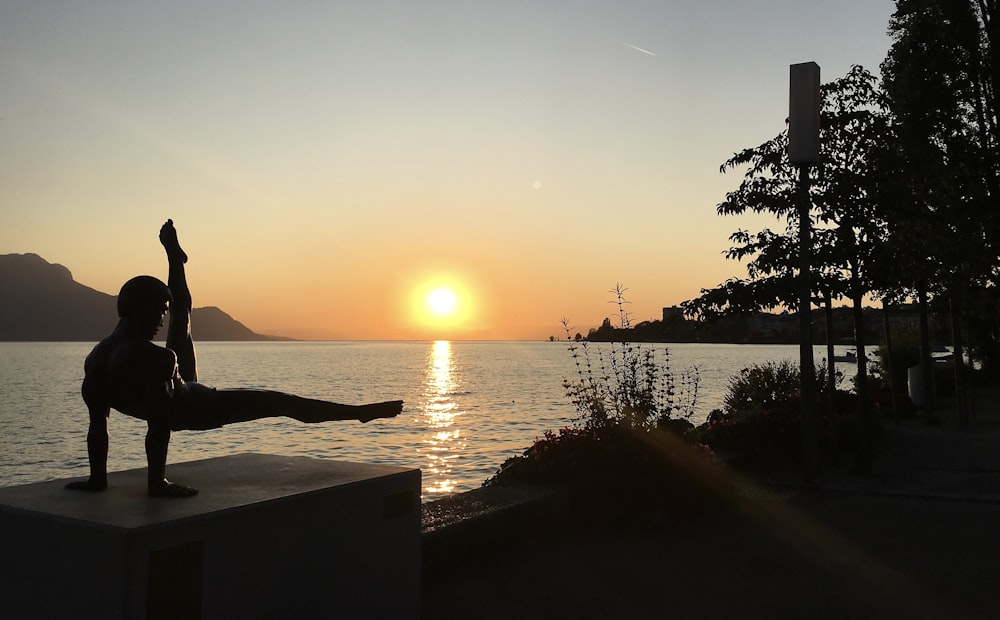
x=760, y=327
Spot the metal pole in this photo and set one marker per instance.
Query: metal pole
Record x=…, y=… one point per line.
x=804, y=103
x=807, y=371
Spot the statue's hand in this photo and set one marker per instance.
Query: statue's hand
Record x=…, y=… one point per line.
x=88, y=485
x=169, y=489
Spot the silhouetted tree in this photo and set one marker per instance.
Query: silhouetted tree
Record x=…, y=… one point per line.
x=844, y=191
x=844, y=210
x=940, y=80
x=855, y=126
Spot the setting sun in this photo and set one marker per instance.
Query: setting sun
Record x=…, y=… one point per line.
x=442, y=301
x=442, y=304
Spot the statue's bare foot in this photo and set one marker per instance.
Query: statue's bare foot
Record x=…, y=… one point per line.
x=389, y=409
x=169, y=489
x=88, y=485
x=168, y=237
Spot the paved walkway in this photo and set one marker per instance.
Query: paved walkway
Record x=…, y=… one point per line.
x=918, y=539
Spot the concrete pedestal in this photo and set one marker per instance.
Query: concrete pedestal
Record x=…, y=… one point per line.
x=267, y=537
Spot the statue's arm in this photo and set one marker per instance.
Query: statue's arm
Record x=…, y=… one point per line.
x=97, y=450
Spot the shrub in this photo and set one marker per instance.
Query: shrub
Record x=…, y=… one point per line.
x=759, y=388
x=632, y=413
x=761, y=412
x=905, y=353
x=626, y=384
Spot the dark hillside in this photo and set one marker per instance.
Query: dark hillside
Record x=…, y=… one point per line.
x=42, y=302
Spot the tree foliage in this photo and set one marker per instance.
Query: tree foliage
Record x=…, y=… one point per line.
x=843, y=196
x=906, y=199
x=938, y=78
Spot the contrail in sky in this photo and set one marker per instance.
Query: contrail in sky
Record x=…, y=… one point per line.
x=637, y=48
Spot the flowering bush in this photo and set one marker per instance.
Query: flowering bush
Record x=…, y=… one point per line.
x=761, y=387
x=579, y=455
x=627, y=385
x=627, y=449
x=762, y=413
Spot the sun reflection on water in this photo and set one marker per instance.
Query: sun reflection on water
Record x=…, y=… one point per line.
x=443, y=443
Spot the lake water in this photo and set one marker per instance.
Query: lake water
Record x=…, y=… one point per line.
x=469, y=405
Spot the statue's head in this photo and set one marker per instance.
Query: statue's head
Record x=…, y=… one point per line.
x=143, y=295
x=144, y=300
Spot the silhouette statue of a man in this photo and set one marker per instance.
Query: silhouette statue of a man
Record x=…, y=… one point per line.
x=128, y=372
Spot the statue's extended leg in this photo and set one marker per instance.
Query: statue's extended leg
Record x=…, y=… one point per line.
x=179, y=330
x=239, y=405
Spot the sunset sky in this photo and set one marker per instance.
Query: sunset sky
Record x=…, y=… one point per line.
x=331, y=164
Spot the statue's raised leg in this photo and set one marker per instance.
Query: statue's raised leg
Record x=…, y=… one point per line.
x=179, y=328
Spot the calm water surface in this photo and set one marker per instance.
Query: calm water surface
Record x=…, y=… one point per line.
x=469, y=405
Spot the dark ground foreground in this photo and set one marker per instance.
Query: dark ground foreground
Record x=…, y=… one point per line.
x=918, y=539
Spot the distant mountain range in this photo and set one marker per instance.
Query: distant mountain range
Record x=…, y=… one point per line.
x=42, y=302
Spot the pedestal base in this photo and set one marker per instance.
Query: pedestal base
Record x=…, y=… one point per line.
x=267, y=536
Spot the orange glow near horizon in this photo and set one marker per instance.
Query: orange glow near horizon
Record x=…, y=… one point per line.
x=331, y=201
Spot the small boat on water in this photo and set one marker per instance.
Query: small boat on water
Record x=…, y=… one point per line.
x=848, y=356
